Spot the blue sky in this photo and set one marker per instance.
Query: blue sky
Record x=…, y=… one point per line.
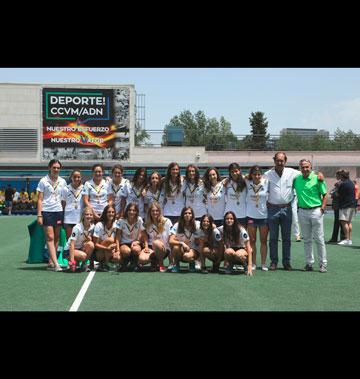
x=322, y=98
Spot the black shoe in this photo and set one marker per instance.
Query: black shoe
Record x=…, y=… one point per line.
x=273, y=267
x=287, y=267
x=122, y=268
x=308, y=268
x=138, y=268
x=102, y=268
x=204, y=270
x=331, y=241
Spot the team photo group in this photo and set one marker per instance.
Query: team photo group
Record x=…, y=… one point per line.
x=207, y=221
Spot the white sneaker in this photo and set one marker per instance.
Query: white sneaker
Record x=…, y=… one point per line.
x=55, y=268
x=264, y=268
x=171, y=265
x=238, y=268
x=345, y=242
x=253, y=267
x=197, y=265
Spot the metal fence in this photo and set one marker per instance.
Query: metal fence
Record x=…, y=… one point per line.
x=294, y=142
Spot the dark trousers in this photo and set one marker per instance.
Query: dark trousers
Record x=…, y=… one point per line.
x=336, y=227
x=280, y=217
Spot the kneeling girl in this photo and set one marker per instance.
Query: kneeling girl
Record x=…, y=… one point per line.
x=182, y=240
x=158, y=232
x=210, y=246
x=104, y=239
x=128, y=237
x=80, y=246
x=236, y=244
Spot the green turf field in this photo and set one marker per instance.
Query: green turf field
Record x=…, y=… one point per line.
x=29, y=287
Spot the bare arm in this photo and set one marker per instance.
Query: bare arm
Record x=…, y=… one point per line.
x=72, y=250
x=39, y=208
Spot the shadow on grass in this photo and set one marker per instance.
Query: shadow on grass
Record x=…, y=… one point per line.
x=32, y=268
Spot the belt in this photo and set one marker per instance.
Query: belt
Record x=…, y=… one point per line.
x=279, y=205
x=319, y=206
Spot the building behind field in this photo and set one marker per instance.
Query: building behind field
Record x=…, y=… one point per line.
x=303, y=132
x=83, y=124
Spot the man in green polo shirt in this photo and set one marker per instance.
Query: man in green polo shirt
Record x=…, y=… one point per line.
x=312, y=197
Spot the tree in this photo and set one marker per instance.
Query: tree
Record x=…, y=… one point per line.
x=141, y=135
x=291, y=141
x=346, y=140
x=202, y=131
x=259, y=127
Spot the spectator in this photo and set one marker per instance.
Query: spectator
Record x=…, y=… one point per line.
x=34, y=196
x=2, y=196
x=9, y=197
x=347, y=204
x=335, y=206
x=16, y=198
x=24, y=201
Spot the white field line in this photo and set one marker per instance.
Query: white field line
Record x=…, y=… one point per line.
x=81, y=294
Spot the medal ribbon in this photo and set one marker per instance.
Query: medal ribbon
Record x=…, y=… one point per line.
x=256, y=188
x=54, y=186
x=97, y=189
x=237, y=195
x=77, y=194
x=114, y=188
x=137, y=194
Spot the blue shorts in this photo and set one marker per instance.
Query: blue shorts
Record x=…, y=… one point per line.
x=53, y=218
x=257, y=222
x=243, y=221
x=173, y=219
x=218, y=222
x=8, y=203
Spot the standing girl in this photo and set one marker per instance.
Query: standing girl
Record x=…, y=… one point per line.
x=235, y=189
x=193, y=190
x=104, y=239
x=236, y=244
x=256, y=211
x=50, y=210
x=174, y=198
x=158, y=231
x=154, y=192
x=128, y=236
x=72, y=195
x=116, y=187
x=182, y=240
x=79, y=246
x=134, y=190
x=214, y=191
x=95, y=192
